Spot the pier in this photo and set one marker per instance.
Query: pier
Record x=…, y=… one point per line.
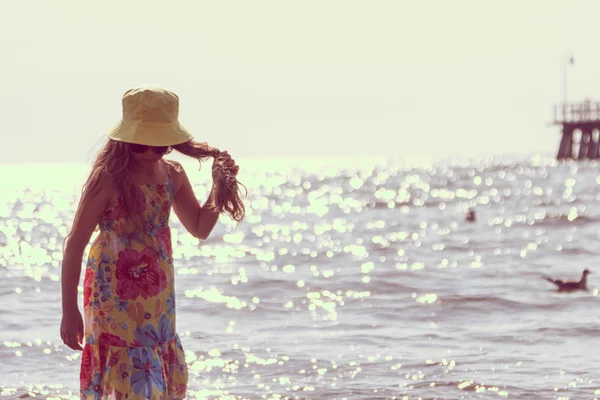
x=580, y=130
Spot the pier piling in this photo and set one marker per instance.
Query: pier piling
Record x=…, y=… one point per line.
x=579, y=121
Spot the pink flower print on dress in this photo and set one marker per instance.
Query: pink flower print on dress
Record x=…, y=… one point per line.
x=87, y=366
x=106, y=341
x=164, y=238
x=139, y=274
x=87, y=286
x=160, y=190
x=123, y=373
x=139, y=200
x=165, y=210
x=118, y=211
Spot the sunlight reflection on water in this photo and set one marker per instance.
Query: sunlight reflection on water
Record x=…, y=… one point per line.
x=347, y=280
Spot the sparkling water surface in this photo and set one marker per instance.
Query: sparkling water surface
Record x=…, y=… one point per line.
x=349, y=279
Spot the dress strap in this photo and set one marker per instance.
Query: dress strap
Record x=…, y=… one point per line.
x=169, y=173
x=170, y=184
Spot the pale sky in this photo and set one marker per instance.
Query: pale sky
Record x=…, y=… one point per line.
x=298, y=79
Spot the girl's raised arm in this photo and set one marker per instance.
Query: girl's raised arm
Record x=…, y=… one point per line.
x=197, y=220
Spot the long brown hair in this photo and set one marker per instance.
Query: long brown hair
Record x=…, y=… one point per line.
x=227, y=196
x=112, y=164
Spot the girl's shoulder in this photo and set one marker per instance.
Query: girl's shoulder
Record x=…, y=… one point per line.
x=176, y=173
x=174, y=169
x=105, y=189
x=102, y=185
x=173, y=166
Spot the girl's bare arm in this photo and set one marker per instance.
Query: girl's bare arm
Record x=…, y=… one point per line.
x=88, y=215
x=198, y=220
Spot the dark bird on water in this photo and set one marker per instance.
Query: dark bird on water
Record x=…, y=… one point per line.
x=470, y=217
x=571, y=286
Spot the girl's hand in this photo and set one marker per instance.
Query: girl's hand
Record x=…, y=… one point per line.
x=71, y=329
x=222, y=163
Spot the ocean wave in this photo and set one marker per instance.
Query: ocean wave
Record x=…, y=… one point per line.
x=561, y=219
x=493, y=303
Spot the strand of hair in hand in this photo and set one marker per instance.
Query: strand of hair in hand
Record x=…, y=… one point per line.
x=228, y=196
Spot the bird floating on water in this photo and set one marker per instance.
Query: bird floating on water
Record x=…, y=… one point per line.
x=470, y=217
x=571, y=286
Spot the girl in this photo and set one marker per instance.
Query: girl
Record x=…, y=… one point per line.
x=130, y=346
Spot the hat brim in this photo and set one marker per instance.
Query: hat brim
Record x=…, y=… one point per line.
x=150, y=134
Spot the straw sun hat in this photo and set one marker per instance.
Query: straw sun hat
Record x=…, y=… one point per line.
x=150, y=117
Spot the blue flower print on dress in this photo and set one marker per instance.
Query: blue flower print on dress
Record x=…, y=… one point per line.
x=149, y=336
x=171, y=303
x=129, y=238
x=122, y=305
x=101, y=283
x=95, y=388
x=146, y=373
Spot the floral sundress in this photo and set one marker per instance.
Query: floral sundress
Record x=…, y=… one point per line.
x=132, y=350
